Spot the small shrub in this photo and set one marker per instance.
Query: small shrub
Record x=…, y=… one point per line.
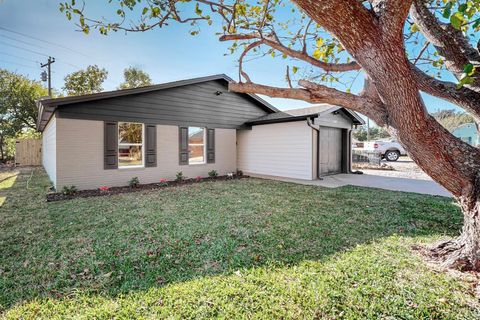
x=163, y=183
x=134, y=182
x=229, y=175
x=104, y=189
x=239, y=173
x=198, y=179
x=69, y=190
x=213, y=174
x=179, y=176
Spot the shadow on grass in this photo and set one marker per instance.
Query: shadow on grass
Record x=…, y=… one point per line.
x=133, y=242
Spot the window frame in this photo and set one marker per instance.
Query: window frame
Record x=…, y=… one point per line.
x=131, y=144
x=204, y=146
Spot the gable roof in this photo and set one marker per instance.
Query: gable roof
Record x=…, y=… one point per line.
x=279, y=117
x=47, y=106
x=305, y=113
x=327, y=108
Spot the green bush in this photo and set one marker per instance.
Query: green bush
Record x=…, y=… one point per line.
x=213, y=174
x=179, y=176
x=134, y=182
x=69, y=190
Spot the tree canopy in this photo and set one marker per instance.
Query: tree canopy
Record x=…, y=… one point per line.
x=18, y=109
x=135, y=77
x=401, y=47
x=85, y=81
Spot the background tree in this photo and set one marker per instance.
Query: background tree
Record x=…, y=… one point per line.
x=402, y=47
x=360, y=133
x=18, y=109
x=135, y=77
x=85, y=81
x=452, y=119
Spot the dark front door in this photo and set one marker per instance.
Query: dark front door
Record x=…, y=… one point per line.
x=331, y=150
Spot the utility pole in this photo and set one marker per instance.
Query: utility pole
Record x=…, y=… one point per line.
x=368, y=129
x=48, y=76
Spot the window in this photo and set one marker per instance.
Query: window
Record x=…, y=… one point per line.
x=130, y=144
x=196, y=145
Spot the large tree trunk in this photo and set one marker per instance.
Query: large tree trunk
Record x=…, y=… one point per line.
x=376, y=43
x=462, y=253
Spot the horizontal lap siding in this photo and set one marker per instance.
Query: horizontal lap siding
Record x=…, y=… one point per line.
x=49, y=150
x=282, y=149
x=80, y=163
x=194, y=105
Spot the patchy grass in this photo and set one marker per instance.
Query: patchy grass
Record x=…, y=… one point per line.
x=232, y=249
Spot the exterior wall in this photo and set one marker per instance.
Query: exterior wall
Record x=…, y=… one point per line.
x=49, y=149
x=81, y=156
x=189, y=105
x=468, y=133
x=339, y=120
x=280, y=149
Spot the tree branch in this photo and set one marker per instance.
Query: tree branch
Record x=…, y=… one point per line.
x=300, y=55
x=316, y=93
x=464, y=97
x=392, y=13
x=449, y=42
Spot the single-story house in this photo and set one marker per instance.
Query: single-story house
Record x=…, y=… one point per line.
x=468, y=133
x=193, y=126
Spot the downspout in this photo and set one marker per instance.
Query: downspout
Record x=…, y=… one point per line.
x=310, y=124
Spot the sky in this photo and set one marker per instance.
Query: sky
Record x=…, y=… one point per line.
x=167, y=54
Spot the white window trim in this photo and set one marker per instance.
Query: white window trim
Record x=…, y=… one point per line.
x=131, y=144
x=204, y=147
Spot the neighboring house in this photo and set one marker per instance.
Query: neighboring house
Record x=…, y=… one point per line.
x=467, y=132
x=193, y=126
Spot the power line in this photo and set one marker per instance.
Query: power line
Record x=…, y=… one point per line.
x=39, y=53
x=21, y=41
x=45, y=41
x=19, y=64
x=17, y=57
x=26, y=49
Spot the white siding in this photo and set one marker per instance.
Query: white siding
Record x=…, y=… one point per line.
x=49, y=150
x=81, y=158
x=280, y=149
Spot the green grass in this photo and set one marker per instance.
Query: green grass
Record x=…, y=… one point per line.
x=233, y=249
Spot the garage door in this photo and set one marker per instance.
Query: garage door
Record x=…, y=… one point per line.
x=331, y=146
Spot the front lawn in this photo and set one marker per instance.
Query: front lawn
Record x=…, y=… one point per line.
x=228, y=249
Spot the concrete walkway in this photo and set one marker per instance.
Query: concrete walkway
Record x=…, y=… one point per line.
x=373, y=181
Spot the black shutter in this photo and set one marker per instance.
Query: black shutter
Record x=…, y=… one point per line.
x=210, y=145
x=150, y=145
x=183, y=145
x=111, y=145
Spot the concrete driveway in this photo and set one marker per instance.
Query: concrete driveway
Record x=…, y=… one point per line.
x=406, y=177
x=384, y=182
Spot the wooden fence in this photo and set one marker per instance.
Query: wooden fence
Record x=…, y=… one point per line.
x=28, y=152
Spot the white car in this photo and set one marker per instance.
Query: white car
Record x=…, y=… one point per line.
x=390, y=150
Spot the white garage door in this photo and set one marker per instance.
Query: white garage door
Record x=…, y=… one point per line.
x=331, y=148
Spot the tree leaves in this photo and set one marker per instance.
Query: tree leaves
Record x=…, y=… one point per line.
x=468, y=72
x=135, y=77
x=457, y=20
x=85, y=81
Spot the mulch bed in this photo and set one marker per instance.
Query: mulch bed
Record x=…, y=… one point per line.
x=58, y=196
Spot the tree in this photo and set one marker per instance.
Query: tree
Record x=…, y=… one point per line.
x=402, y=47
x=85, y=81
x=452, y=119
x=18, y=109
x=360, y=133
x=135, y=77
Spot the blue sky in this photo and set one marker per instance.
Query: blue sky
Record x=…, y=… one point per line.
x=166, y=54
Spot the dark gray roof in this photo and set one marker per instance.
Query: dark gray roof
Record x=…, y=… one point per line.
x=303, y=114
x=280, y=116
x=47, y=106
x=324, y=108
